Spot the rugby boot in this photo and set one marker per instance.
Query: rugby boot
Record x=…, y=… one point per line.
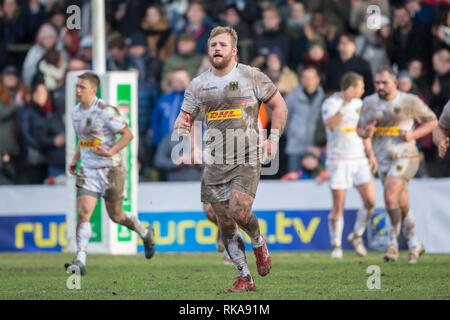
x=149, y=243
x=391, y=254
x=336, y=253
x=242, y=285
x=358, y=244
x=263, y=259
x=415, y=253
x=74, y=265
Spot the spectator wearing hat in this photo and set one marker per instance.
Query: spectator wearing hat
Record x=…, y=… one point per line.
x=186, y=57
x=317, y=57
x=13, y=94
x=85, y=52
x=373, y=45
x=345, y=62
x=46, y=39
x=160, y=37
x=148, y=65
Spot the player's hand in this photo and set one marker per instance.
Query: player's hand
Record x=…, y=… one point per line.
x=443, y=146
x=101, y=151
x=406, y=135
x=270, y=148
x=73, y=167
x=182, y=125
x=373, y=163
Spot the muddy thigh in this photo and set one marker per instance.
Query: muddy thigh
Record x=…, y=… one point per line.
x=115, y=185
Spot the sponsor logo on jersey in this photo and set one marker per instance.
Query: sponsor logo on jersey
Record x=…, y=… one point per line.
x=387, y=131
x=348, y=129
x=399, y=167
x=233, y=85
x=88, y=122
x=396, y=110
x=89, y=143
x=224, y=114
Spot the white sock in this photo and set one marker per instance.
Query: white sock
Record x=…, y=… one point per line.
x=257, y=242
x=233, y=244
x=361, y=222
x=335, y=228
x=134, y=224
x=83, y=234
x=409, y=230
x=395, y=226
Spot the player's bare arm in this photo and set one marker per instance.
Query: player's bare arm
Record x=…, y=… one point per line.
x=419, y=132
x=441, y=140
x=279, y=116
x=183, y=124
x=73, y=164
x=370, y=154
x=333, y=122
x=367, y=131
x=125, y=139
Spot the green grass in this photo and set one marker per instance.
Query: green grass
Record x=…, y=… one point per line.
x=201, y=276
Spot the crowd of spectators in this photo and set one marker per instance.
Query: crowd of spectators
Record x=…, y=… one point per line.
x=304, y=46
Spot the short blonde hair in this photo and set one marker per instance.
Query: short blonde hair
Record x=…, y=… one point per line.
x=219, y=30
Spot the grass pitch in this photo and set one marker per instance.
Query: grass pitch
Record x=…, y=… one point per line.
x=201, y=276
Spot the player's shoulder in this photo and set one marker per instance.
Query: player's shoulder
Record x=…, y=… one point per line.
x=371, y=99
x=332, y=100
x=107, y=109
x=75, y=110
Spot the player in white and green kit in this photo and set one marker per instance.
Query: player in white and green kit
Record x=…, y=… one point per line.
x=101, y=173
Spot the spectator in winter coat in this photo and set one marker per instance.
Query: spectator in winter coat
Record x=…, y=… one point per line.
x=304, y=104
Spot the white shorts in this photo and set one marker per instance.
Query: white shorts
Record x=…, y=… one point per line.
x=344, y=174
x=108, y=182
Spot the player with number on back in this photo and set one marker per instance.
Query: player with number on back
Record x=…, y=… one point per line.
x=229, y=94
x=101, y=173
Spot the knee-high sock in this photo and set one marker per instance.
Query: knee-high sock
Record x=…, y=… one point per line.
x=236, y=250
x=83, y=234
x=409, y=230
x=396, y=223
x=132, y=222
x=252, y=229
x=362, y=218
x=335, y=228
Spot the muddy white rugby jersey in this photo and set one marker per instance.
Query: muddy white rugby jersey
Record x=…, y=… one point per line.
x=97, y=126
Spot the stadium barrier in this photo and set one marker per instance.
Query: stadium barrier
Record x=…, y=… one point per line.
x=292, y=215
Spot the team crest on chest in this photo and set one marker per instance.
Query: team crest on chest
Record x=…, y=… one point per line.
x=396, y=110
x=88, y=122
x=234, y=85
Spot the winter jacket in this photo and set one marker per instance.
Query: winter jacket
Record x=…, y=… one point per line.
x=302, y=119
x=165, y=114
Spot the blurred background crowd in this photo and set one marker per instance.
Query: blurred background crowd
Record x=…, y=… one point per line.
x=303, y=46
